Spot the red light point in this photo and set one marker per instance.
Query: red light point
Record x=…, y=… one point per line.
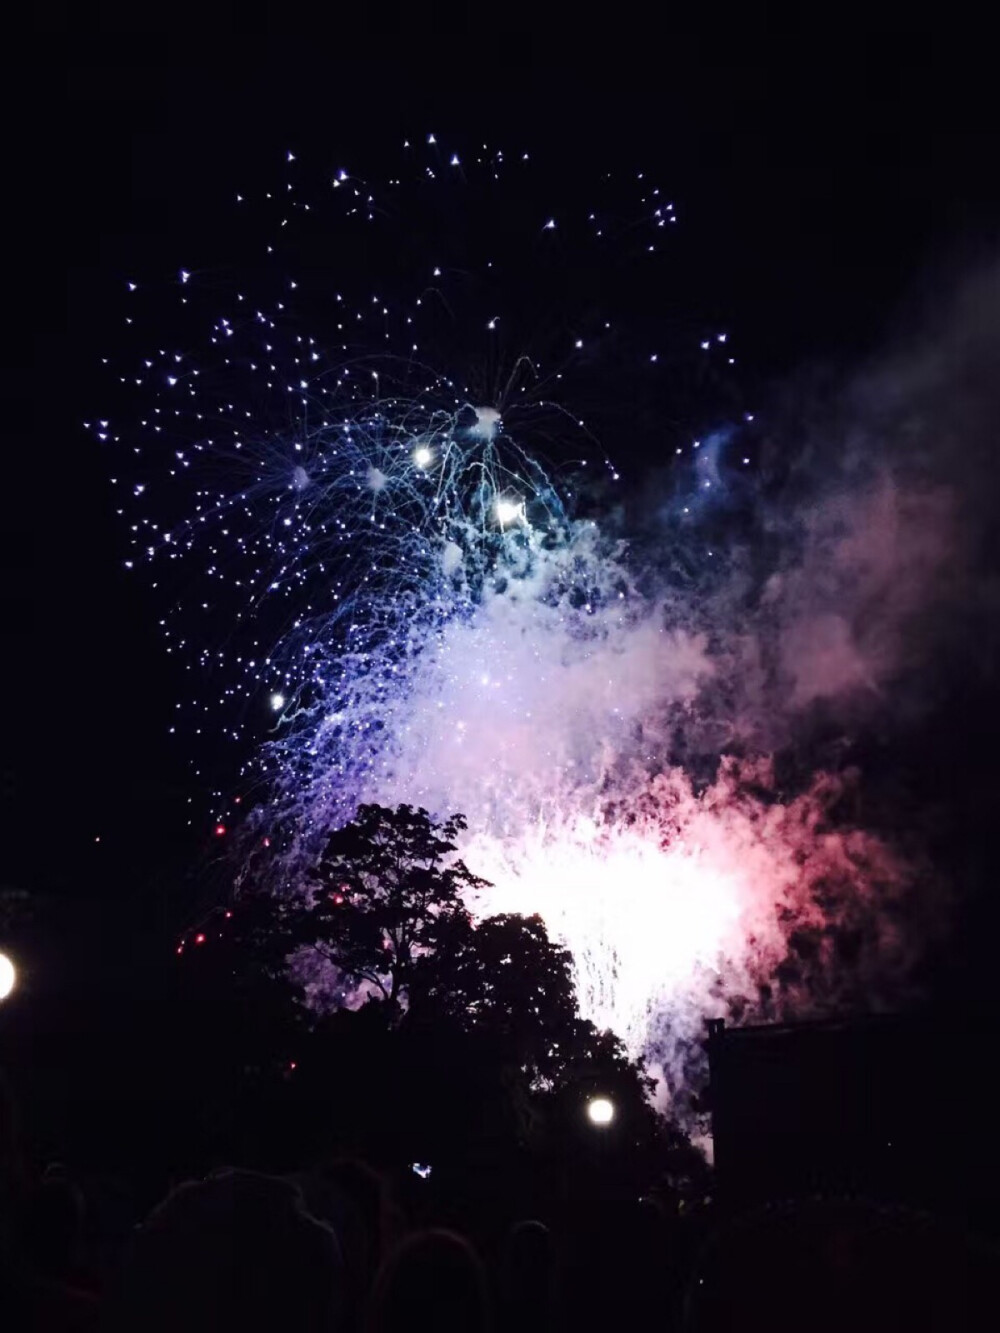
x=199, y=939
x=220, y=830
x=267, y=842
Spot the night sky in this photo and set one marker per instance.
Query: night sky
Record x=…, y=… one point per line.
x=831, y=178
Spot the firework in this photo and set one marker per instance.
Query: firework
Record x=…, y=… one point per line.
x=412, y=582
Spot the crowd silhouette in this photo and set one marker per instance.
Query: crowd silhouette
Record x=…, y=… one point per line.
x=334, y=1247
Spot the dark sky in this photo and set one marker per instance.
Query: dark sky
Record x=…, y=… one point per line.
x=829, y=171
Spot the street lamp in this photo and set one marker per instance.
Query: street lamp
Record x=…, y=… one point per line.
x=600, y=1111
x=8, y=976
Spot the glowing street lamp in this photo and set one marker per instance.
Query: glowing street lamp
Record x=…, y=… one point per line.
x=600, y=1111
x=8, y=976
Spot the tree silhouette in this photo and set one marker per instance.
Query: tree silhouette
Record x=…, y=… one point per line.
x=388, y=911
x=389, y=890
x=472, y=1027
x=506, y=980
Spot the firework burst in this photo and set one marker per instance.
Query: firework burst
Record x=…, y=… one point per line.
x=412, y=580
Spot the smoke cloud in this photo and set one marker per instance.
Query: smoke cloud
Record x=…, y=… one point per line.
x=666, y=767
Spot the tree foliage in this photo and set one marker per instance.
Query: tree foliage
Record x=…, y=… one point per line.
x=388, y=911
x=506, y=979
x=389, y=889
x=469, y=1040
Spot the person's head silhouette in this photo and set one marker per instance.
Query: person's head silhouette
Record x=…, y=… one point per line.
x=434, y=1280
x=235, y=1251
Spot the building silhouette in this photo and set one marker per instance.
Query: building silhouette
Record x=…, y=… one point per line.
x=901, y=1108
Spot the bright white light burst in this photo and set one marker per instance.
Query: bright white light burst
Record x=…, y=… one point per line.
x=8, y=976
x=600, y=1111
x=509, y=511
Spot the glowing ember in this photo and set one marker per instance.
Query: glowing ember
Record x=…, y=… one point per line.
x=509, y=511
